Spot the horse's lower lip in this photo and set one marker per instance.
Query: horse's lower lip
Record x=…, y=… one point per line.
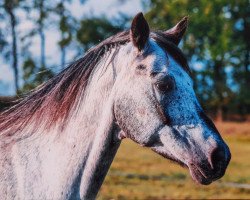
x=199, y=176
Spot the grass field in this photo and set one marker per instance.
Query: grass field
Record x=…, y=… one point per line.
x=139, y=173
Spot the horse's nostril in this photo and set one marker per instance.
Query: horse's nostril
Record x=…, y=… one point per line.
x=217, y=157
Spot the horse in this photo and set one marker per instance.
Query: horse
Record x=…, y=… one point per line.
x=59, y=141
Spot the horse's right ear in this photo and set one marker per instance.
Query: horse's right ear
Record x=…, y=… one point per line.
x=176, y=33
x=139, y=32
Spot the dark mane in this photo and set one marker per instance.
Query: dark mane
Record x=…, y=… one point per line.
x=56, y=98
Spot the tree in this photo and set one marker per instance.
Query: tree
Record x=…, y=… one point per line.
x=48, y=13
x=35, y=74
x=43, y=8
x=66, y=26
x=240, y=15
x=9, y=7
x=94, y=30
x=3, y=41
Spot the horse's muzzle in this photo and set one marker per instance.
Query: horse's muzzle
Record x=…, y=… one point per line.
x=213, y=168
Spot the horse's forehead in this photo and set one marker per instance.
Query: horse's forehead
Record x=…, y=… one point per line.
x=155, y=57
x=155, y=53
x=161, y=61
x=178, y=72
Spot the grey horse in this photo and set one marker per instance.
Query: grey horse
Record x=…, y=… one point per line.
x=59, y=141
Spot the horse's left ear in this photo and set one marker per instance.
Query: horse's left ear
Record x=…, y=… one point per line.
x=139, y=32
x=176, y=33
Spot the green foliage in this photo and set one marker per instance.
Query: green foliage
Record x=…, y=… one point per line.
x=34, y=76
x=240, y=52
x=65, y=29
x=8, y=9
x=66, y=24
x=94, y=30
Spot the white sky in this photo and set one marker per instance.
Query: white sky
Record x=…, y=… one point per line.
x=110, y=8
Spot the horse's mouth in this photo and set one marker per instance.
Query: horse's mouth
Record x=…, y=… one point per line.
x=205, y=177
x=199, y=176
x=201, y=173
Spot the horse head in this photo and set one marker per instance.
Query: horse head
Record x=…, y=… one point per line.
x=156, y=106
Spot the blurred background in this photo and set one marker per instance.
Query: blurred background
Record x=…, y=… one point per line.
x=39, y=38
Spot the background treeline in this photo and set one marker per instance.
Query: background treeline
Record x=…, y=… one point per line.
x=217, y=44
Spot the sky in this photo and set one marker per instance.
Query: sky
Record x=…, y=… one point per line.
x=110, y=8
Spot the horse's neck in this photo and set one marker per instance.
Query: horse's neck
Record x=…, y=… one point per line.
x=106, y=142
x=69, y=160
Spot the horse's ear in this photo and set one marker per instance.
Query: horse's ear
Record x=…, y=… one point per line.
x=176, y=33
x=139, y=32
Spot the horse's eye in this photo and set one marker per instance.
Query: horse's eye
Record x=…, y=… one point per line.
x=166, y=85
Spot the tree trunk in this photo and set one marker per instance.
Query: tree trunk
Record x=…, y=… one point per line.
x=247, y=63
x=219, y=81
x=247, y=54
x=14, y=48
x=219, y=115
x=42, y=37
x=63, y=55
x=41, y=33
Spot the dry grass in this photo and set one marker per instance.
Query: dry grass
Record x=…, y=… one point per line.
x=138, y=173
x=234, y=128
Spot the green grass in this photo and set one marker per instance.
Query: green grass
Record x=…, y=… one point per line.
x=139, y=173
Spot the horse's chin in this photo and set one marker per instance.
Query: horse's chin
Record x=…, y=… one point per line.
x=196, y=173
x=198, y=176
